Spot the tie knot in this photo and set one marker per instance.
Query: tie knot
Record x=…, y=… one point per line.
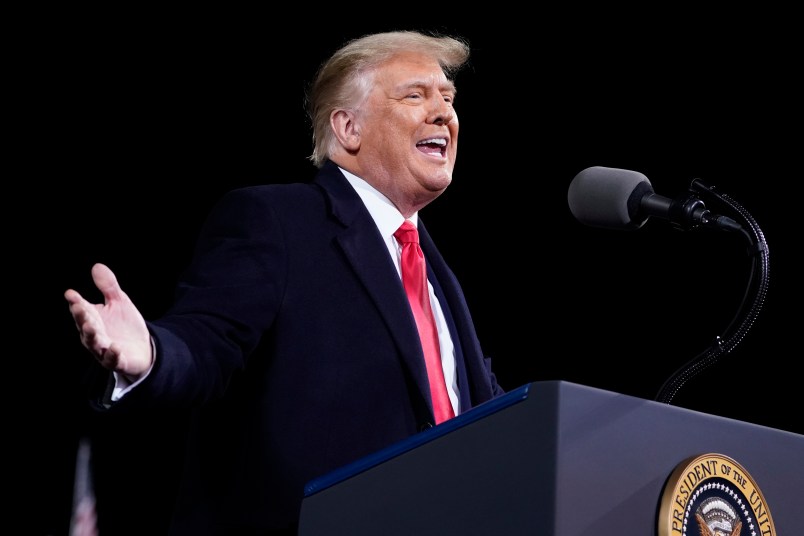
x=407, y=233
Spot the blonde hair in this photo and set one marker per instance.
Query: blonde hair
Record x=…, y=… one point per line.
x=345, y=79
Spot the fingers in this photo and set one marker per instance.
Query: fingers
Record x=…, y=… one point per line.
x=72, y=296
x=90, y=325
x=93, y=332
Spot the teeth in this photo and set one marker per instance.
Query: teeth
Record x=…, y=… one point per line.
x=436, y=141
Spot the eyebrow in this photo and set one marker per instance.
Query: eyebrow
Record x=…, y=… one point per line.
x=447, y=85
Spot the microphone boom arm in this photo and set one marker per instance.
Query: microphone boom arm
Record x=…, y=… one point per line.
x=750, y=306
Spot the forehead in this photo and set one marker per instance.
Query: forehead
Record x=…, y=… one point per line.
x=412, y=68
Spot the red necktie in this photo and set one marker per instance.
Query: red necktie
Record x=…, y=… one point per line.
x=414, y=278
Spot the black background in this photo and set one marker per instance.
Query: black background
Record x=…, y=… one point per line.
x=133, y=127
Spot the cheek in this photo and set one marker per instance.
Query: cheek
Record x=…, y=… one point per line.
x=395, y=141
x=453, y=146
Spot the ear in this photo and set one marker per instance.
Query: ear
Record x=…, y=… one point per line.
x=346, y=129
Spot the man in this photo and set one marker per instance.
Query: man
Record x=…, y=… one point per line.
x=291, y=333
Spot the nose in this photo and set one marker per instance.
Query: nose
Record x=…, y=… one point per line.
x=442, y=112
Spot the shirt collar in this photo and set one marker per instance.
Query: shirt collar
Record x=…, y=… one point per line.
x=383, y=212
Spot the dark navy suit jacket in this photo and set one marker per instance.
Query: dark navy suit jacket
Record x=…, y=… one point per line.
x=292, y=309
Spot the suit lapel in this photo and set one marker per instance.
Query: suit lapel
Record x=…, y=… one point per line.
x=367, y=254
x=471, y=361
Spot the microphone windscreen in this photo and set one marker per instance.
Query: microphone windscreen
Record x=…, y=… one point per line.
x=604, y=197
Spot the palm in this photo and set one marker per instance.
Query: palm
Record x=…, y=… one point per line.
x=114, y=331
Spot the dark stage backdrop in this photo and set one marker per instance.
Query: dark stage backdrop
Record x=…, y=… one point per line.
x=140, y=126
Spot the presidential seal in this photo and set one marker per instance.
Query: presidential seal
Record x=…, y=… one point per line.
x=713, y=495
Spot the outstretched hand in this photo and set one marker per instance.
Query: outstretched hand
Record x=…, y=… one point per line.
x=113, y=331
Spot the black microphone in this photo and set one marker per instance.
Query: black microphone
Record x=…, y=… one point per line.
x=621, y=199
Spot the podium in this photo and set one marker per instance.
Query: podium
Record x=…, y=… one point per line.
x=553, y=458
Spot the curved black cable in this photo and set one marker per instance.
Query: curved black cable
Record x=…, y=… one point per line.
x=750, y=306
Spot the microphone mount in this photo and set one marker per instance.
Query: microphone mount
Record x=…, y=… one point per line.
x=686, y=212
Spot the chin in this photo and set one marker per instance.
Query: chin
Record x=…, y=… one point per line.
x=439, y=181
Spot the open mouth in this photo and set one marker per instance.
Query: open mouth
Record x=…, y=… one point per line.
x=433, y=146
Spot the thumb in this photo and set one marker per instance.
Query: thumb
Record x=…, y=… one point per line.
x=106, y=282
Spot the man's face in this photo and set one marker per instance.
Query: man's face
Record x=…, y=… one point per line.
x=409, y=131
